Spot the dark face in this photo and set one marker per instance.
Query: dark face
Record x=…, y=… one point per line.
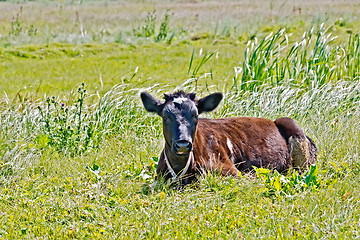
x=180, y=118
x=180, y=113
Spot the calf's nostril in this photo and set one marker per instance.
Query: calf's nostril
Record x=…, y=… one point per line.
x=182, y=146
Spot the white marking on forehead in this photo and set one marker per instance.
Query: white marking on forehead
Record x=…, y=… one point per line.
x=179, y=100
x=182, y=131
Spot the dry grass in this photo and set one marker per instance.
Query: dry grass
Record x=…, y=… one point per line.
x=195, y=16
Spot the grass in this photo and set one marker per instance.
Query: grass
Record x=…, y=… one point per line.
x=105, y=194
x=82, y=164
x=102, y=66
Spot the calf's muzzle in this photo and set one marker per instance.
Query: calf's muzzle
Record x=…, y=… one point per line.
x=182, y=147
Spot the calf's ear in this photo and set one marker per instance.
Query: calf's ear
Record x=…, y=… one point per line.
x=209, y=103
x=151, y=103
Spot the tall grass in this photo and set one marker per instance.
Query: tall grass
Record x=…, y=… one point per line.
x=71, y=126
x=314, y=60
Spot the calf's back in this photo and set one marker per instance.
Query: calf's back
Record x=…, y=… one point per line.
x=242, y=141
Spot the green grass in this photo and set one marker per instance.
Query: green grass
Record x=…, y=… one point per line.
x=107, y=192
x=83, y=164
x=61, y=67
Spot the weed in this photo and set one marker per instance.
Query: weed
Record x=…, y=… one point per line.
x=164, y=29
x=67, y=128
x=148, y=29
x=16, y=24
x=18, y=27
x=194, y=75
x=280, y=185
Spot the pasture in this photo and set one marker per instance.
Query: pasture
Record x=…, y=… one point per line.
x=78, y=152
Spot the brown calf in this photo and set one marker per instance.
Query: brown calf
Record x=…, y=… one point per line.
x=226, y=145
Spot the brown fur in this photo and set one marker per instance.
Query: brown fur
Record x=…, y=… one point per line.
x=259, y=142
x=228, y=145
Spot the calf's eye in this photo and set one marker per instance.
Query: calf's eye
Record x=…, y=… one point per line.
x=194, y=118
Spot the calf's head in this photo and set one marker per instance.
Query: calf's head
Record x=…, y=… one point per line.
x=180, y=112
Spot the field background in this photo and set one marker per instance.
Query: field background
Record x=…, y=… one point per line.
x=78, y=152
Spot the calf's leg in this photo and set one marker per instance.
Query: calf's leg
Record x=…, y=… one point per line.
x=302, y=149
x=229, y=170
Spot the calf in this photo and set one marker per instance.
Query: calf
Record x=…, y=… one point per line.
x=196, y=145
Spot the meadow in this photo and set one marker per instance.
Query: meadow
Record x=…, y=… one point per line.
x=78, y=152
